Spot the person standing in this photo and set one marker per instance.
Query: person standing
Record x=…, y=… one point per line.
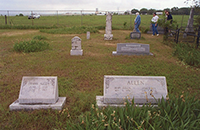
x=137, y=22
x=169, y=18
x=154, y=24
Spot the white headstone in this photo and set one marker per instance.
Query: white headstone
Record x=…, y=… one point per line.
x=38, y=92
x=76, y=46
x=88, y=35
x=108, y=35
x=144, y=90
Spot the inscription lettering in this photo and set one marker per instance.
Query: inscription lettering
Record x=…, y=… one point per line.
x=135, y=82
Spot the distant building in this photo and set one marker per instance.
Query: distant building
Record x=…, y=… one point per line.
x=159, y=13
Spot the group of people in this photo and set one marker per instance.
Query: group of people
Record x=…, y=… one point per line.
x=154, y=22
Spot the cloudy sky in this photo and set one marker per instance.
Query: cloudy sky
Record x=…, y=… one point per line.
x=104, y=5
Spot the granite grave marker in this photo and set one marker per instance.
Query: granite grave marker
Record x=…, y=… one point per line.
x=135, y=35
x=144, y=90
x=132, y=49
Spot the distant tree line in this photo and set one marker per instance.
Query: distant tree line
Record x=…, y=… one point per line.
x=174, y=11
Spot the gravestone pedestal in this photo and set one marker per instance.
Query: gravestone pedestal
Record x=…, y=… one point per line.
x=76, y=46
x=132, y=49
x=38, y=92
x=108, y=35
x=144, y=90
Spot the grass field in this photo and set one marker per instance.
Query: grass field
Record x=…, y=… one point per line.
x=87, y=20
x=80, y=78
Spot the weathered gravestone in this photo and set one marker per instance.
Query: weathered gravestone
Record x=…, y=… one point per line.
x=38, y=92
x=189, y=28
x=135, y=35
x=76, y=46
x=108, y=35
x=88, y=35
x=144, y=90
x=132, y=49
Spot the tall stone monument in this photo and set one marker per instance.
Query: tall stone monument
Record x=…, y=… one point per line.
x=189, y=27
x=76, y=46
x=108, y=35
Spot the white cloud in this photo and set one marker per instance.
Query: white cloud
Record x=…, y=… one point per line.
x=106, y=5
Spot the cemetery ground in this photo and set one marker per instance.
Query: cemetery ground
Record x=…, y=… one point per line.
x=80, y=78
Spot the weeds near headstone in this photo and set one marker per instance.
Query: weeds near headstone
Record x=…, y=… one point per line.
x=188, y=54
x=39, y=37
x=30, y=46
x=176, y=113
x=34, y=45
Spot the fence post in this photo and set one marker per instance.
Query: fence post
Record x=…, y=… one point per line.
x=177, y=36
x=8, y=16
x=57, y=17
x=130, y=20
x=81, y=19
x=5, y=20
x=198, y=37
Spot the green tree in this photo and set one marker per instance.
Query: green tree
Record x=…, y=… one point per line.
x=151, y=11
x=21, y=14
x=174, y=10
x=133, y=11
x=143, y=11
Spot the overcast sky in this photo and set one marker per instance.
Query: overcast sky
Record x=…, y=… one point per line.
x=104, y=5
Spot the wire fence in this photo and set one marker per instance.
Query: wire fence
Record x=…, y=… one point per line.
x=64, y=18
x=70, y=18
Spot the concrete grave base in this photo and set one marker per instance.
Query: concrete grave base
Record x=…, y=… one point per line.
x=101, y=104
x=76, y=52
x=56, y=106
x=108, y=36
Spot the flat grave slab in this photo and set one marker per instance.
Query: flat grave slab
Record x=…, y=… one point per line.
x=40, y=91
x=132, y=49
x=144, y=90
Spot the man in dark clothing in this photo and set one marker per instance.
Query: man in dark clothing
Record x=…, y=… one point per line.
x=169, y=17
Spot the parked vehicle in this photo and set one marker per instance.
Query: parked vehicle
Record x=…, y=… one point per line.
x=34, y=16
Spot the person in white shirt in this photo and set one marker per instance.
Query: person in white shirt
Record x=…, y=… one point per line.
x=154, y=24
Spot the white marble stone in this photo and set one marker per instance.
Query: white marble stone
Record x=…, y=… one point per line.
x=88, y=35
x=144, y=89
x=38, y=89
x=38, y=92
x=76, y=46
x=108, y=29
x=15, y=106
x=76, y=52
